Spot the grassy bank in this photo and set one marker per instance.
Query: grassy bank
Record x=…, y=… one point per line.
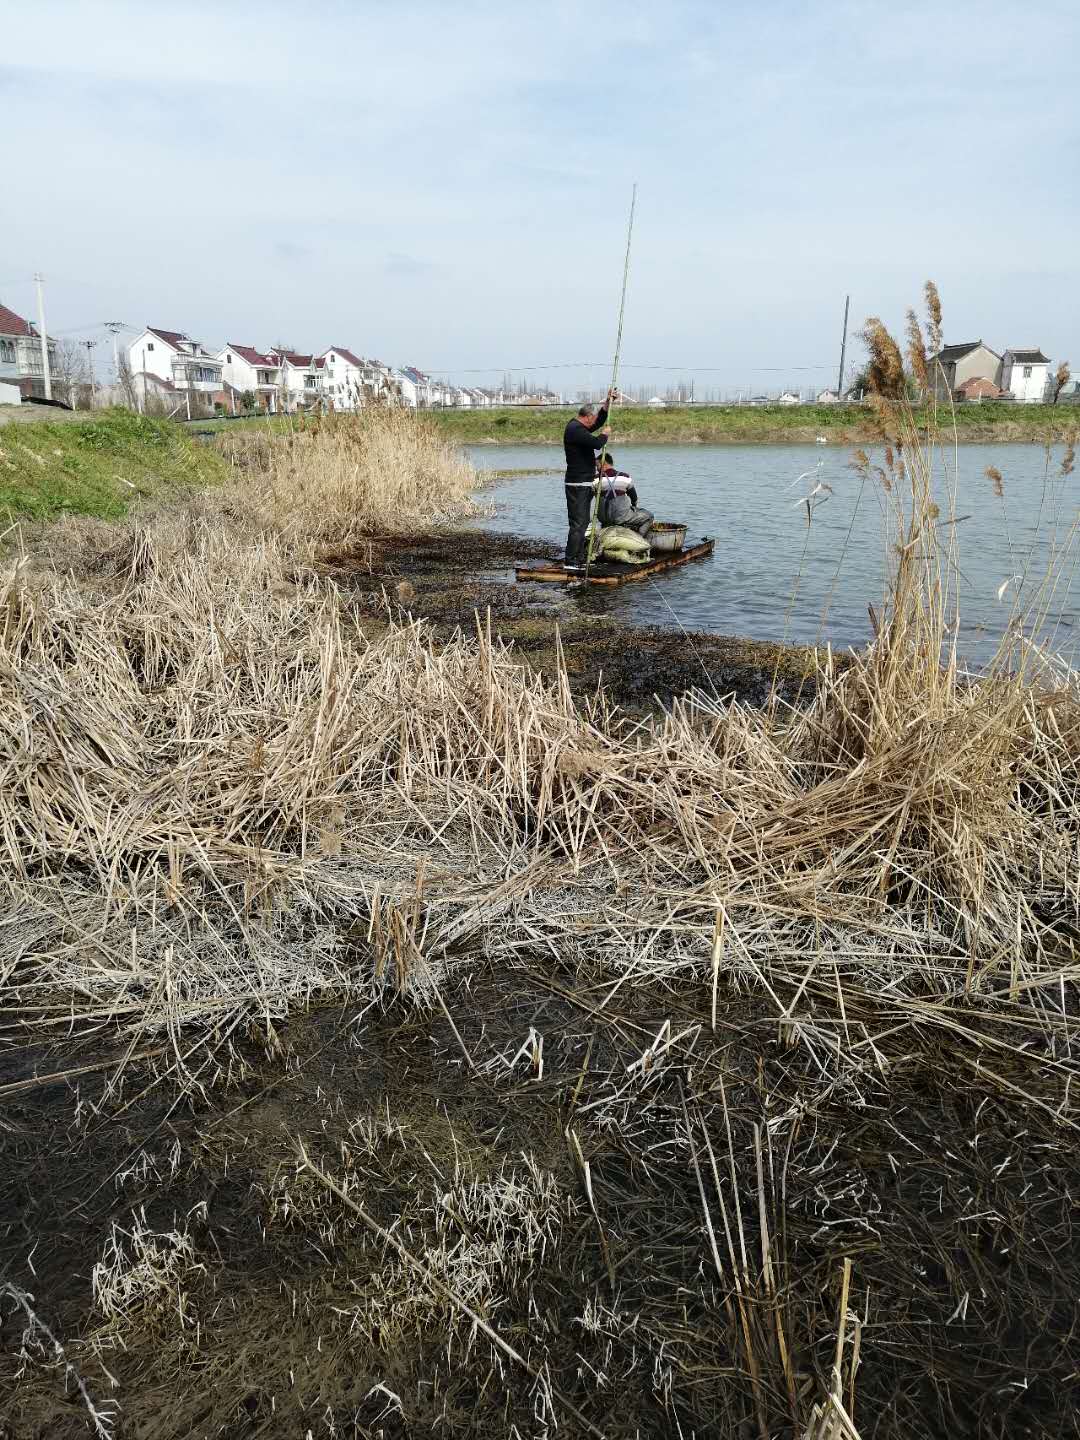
x=753, y=425
x=98, y=465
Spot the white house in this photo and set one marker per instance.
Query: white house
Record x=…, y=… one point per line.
x=789, y=398
x=348, y=380
x=1024, y=374
x=184, y=364
x=252, y=372
x=828, y=397
x=20, y=353
x=418, y=389
x=409, y=387
x=386, y=382
x=301, y=382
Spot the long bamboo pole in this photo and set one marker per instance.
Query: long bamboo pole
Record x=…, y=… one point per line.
x=614, y=377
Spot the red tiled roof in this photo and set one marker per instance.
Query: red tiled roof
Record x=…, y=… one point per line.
x=345, y=354
x=979, y=385
x=175, y=338
x=12, y=324
x=301, y=361
x=253, y=356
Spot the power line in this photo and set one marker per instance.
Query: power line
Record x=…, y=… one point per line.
x=624, y=365
x=94, y=325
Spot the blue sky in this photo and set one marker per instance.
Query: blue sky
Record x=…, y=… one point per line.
x=447, y=185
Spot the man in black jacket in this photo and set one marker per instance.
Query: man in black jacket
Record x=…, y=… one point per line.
x=584, y=435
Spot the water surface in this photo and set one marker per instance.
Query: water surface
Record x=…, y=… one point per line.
x=772, y=576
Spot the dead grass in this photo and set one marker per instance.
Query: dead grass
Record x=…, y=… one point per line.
x=338, y=477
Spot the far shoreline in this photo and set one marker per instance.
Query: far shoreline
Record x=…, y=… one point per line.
x=663, y=441
x=845, y=425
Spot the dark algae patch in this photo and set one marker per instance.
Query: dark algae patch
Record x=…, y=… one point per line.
x=953, y=1203
x=457, y=579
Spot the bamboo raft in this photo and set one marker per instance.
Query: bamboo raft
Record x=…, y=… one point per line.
x=601, y=574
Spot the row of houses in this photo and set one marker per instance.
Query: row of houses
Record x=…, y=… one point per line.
x=279, y=379
x=173, y=367
x=172, y=371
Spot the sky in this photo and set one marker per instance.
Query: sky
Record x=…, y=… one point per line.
x=447, y=185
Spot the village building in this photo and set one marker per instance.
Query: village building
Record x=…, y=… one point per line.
x=300, y=383
x=250, y=376
x=169, y=363
x=954, y=365
x=417, y=389
x=350, y=382
x=1024, y=375
x=21, y=363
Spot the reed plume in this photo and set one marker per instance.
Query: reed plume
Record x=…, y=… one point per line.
x=1061, y=379
x=933, y=315
x=917, y=353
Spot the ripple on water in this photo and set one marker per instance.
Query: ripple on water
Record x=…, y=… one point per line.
x=773, y=577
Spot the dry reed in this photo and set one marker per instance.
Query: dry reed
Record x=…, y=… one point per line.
x=344, y=475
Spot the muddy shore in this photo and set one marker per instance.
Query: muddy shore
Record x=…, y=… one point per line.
x=451, y=579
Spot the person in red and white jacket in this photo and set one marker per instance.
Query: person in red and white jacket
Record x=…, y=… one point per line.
x=619, y=499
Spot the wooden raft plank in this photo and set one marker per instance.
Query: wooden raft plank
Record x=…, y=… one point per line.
x=623, y=575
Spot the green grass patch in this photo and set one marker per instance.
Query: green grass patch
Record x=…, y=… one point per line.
x=223, y=424
x=753, y=424
x=98, y=466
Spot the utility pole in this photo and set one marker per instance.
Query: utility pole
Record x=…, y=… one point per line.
x=843, y=351
x=114, y=327
x=44, y=337
x=90, y=362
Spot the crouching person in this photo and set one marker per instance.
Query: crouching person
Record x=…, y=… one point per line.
x=619, y=500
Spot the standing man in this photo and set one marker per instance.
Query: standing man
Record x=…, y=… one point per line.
x=585, y=434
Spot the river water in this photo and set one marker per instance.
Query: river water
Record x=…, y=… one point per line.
x=772, y=576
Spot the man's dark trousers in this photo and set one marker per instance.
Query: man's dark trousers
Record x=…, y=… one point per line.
x=579, y=500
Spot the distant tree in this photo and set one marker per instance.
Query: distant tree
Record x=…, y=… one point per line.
x=859, y=383
x=70, y=373
x=126, y=380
